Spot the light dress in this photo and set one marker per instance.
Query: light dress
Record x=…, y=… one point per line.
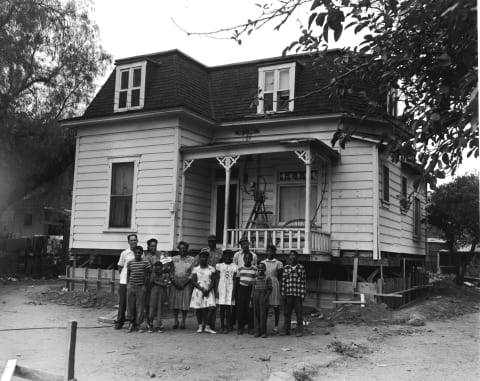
x=204, y=279
x=272, y=268
x=225, y=283
x=182, y=270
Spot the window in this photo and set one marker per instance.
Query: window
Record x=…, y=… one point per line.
x=395, y=103
x=276, y=88
x=130, y=87
x=291, y=195
x=121, y=194
x=385, y=184
x=404, y=194
x=416, y=216
x=27, y=219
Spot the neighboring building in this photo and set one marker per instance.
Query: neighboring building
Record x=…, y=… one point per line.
x=43, y=211
x=166, y=136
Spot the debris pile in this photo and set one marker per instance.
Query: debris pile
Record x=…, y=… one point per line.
x=88, y=299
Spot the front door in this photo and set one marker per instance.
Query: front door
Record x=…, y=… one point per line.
x=220, y=209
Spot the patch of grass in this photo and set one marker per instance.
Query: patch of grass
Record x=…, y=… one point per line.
x=304, y=373
x=348, y=349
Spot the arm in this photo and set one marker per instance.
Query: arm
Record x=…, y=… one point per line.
x=195, y=283
x=304, y=282
x=269, y=290
x=128, y=273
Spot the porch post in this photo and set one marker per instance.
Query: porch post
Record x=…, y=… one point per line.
x=306, y=157
x=186, y=164
x=227, y=162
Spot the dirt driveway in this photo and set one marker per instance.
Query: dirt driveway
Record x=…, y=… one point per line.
x=441, y=350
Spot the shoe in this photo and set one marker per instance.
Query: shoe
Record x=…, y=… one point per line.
x=284, y=333
x=175, y=325
x=150, y=329
x=161, y=327
x=240, y=332
x=182, y=325
x=264, y=336
x=299, y=334
x=118, y=326
x=251, y=332
x=209, y=330
x=141, y=330
x=224, y=331
x=200, y=329
x=275, y=331
x=257, y=335
x=160, y=330
x=132, y=328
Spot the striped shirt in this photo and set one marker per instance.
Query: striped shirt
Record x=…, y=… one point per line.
x=247, y=275
x=137, y=271
x=262, y=282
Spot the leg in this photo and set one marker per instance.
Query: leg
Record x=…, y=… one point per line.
x=175, y=318
x=184, y=317
x=122, y=305
x=299, y=312
x=140, y=305
x=153, y=303
x=131, y=301
x=222, y=316
x=276, y=310
x=228, y=315
x=257, y=314
x=263, y=307
x=288, y=307
x=213, y=317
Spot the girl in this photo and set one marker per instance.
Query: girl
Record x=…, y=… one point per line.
x=182, y=289
x=227, y=272
x=203, y=296
x=245, y=277
x=262, y=288
x=274, y=270
x=158, y=294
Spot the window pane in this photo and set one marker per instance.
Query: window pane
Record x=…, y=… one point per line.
x=135, y=101
x=122, y=99
x=282, y=100
x=120, y=211
x=386, y=183
x=268, y=102
x=137, y=77
x=284, y=79
x=292, y=202
x=124, y=80
x=269, y=80
x=416, y=211
x=122, y=179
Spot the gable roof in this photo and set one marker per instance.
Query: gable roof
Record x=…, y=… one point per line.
x=222, y=93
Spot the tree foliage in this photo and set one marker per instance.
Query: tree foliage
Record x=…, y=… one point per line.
x=454, y=209
x=50, y=56
x=425, y=51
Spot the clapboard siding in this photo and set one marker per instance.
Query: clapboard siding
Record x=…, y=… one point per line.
x=153, y=144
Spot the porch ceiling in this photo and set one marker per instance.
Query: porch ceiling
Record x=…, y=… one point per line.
x=314, y=146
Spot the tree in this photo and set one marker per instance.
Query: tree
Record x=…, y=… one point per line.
x=49, y=57
x=424, y=52
x=453, y=208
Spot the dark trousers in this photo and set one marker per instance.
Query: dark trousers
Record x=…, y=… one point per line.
x=122, y=304
x=244, y=312
x=260, y=308
x=135, y=303
x=158, y=296
x=291, y=302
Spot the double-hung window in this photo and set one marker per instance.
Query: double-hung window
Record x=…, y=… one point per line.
x=416, y=217
x=130, y=87
x=385, y=184
x=276, y=86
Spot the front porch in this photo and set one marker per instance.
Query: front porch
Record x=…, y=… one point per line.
x=291, y=187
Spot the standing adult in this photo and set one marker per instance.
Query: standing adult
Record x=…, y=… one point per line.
x=238, y=258
x=181, y=281
x=125, y=257
x=274, y=271
x=151, y=256
x=294, y=289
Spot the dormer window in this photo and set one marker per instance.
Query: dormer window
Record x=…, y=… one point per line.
x=276, y=86
x=130, y=86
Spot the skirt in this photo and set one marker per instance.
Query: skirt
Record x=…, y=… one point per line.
x=180, y=299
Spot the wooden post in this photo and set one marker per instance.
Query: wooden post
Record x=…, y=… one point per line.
x=375, y=203
x=355, y=272
x=9, y=370
x=74, y=268
x=99, y=275
x=308, y=191
x=113, y=282
x=67, y=275
x=85, y=276
x=71, y=343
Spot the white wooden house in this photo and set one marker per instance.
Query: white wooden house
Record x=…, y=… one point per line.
x=176, y=150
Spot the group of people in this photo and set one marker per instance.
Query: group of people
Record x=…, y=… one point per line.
x=235, y=284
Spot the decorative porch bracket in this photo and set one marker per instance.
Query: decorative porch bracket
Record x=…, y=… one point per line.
x=186, y=164
x=306, y=157
x=227, y=162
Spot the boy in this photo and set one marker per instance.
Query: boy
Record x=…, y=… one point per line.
x=158, y=295
x=261, y=290
x=294, y=289
x=245, y=277
x=138, y=270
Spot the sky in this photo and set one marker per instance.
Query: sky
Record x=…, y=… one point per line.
x=129, y=28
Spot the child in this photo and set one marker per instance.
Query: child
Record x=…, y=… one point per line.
x=137, y=275
x=274, y=271
x=227, y=272
x=158, y=295
x=245, y=277
x=261, y=290
x=203, y=296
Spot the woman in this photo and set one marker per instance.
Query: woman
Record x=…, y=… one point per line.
x=181, y=281
x=274, y=270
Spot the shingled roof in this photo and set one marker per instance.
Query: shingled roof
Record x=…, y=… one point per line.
x=222, y=93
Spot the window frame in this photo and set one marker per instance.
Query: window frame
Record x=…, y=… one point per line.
x=133, y=225
x=118, y=81
x=385, y=187
x=261, y=86
x=417, y=217
x=403, y=193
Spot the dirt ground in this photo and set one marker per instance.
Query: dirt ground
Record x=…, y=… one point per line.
x=350, y=342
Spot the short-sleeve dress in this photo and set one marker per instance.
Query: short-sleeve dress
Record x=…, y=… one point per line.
x=273, y=266
x=225, y=283
x=182, y=271
x=204, y=279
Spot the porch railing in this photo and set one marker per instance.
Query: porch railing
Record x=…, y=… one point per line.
x=284, y=239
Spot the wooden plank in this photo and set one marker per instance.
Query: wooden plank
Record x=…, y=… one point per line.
x=71, y=344
x=355, y=273
x=413, y=288
x=9, y=370
x=35, y=375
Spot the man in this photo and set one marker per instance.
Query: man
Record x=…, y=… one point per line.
x=294, y=289
x=238, y=258
x=125, y=257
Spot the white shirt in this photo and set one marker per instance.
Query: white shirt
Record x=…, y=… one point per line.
x=125, y=257
x=238, y=258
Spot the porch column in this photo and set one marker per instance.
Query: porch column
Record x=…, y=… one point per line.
x=227, y=162
x=186, y=164
x=306, y=157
